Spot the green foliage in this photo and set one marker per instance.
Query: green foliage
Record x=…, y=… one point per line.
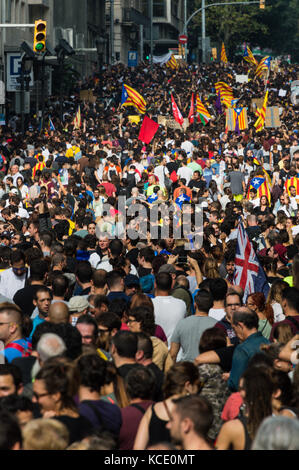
x=276, y=27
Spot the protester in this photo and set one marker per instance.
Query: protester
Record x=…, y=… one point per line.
x=143, y=255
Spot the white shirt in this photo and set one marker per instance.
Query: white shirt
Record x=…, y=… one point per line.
x=168, y=312
x=188, y=147
x=161, y=171
x=185, y=172
x=10, y=283
x=217, y=313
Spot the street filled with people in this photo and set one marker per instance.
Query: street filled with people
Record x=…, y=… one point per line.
x=149, y=281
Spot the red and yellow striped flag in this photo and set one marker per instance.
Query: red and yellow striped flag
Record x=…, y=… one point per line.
x=131, y=97
x=226, y=93
x=223, y=57
x=294, y=181
x=267, y=176
x=203, y=114
x=172, y=63
x=77, y=120
x=263, y=66
x=260, y=122
x=261, y=186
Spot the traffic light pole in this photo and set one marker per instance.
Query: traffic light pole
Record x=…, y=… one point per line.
x=203, y=9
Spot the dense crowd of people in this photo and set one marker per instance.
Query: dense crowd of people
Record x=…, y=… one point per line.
x=120, y=328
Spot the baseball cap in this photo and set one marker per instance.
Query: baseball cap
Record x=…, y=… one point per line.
x=78, y=303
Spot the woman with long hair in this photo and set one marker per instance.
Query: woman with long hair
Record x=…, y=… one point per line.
x=54, y=389
x=22, y=188
x=257, y=303
x=275, y=298
x=257, y=389
x=210, y=269
x=181, y=379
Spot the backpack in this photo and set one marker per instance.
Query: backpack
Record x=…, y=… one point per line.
x=173, y=176
x=131, y=180
x=112, y=172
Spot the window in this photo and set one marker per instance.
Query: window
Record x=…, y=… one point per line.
x=159, y=8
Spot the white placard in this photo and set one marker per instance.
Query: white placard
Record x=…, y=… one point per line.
x=282, y=93
x=242, y=78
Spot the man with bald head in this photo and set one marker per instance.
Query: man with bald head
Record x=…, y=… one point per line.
x=245, y=322
x=11, y=332
x=58, y=313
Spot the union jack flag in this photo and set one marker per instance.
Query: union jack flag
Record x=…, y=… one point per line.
x=249, y=274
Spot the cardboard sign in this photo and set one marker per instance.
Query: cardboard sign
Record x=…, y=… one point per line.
x=256, y=103
x=172, y=124
x=162, y=120
x=241, y=78
x=272, y=117
x=87, y=95
x=134, y=119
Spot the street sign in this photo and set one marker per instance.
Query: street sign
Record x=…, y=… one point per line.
x=132, y=59
x=183, y=39
x=13, y=71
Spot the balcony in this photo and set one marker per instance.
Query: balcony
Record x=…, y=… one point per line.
x=131, y=16
x=42, y=3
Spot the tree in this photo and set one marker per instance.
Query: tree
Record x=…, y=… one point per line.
x=233, y=24
x=281, y=19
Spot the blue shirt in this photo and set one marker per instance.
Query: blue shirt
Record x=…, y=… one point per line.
x=12, y=353
x=207, y=175
x=36, y=321
x=242, y=354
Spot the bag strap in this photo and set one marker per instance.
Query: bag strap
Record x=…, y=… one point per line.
x=138, y=407
x=167, y=409
x=293, y=320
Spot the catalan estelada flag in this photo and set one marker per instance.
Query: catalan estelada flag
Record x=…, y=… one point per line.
x=263, y=66
x=249, y=57
x=226, y=93
x=203, y=114
x=260, y=122
x=260, y=184
x=131, y=97
x=293, y=181
x=267, y=176
x=51, y=125
x=236, y=119
x=172, y=63
x=223, y=57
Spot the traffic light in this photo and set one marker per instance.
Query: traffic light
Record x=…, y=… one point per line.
x=262, y=4
x=214, y=53
x=40, y=30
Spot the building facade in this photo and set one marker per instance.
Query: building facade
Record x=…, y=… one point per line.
x=81, y=23
x=23, y=12
x=168, y=23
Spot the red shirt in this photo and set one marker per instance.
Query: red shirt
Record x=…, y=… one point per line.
x=109, y=188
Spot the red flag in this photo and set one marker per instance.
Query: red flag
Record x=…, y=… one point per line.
x=147, y=130
x=176, y=112
x=191, y=112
